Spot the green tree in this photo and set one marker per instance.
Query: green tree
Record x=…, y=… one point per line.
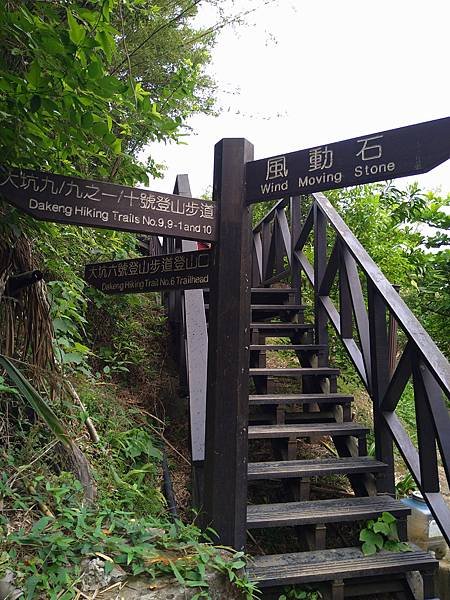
x=85, y=84
x=406, y=233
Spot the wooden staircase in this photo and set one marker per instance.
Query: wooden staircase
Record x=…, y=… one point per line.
x=306, y=242
x=312, y=409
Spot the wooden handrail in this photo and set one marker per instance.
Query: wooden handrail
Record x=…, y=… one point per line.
x=363, y=333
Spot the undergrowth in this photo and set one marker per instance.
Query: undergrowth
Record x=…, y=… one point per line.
x=112, y=351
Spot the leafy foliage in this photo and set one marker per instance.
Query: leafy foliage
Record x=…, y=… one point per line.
x=382, y=534
x=406, y=234
x=84, y=85
x=39, y=405
x=48, y=556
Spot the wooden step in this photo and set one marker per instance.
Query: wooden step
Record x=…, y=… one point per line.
x=256, y=432
x=330, y=565
x=293, y=347
x=317, y=467
x=265, y=295
x=287, y=399
x=294, y=372
x=271, y=295
x=278, y=307
x=324, y=416
x=323, y=511
x=274, y=307
x=282, y=329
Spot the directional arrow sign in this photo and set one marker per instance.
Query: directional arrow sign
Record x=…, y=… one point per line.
x=367, y=158
x=185, y=270
x=75, y=201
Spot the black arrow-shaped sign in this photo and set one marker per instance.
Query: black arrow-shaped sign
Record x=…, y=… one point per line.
x=374, y=157
x=75, y=201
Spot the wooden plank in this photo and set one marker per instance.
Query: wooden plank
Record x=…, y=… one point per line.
x=378, y=385
x=295, y=372
x=197, y=361
x=350, y=271
x=282, y=327
x=296, y=279
x=305, y=230
x=306, y=266
x=345, y=302
x=327, y=565
x=349, y=343
x=323, y=511
x=398, y=380
x=320, y=261
x=314, y=468
x=440, y=415
x=285, y=233
x=228, y=350
x=330, y=271
x=426, y=432
x=256, y=432
x=272, y=399
x=270, y=215
x=258, y=255
x=296, y=347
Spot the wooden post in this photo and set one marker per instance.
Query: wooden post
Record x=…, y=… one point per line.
x=296, y=227
x=320, y=261
x=380, y=379
x=225, y=501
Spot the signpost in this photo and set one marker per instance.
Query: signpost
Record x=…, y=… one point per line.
x=185, y=270
x=374, y=157
x=74, y=201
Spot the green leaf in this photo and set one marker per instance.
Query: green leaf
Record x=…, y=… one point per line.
x=116, y=146
x=369, y=536
x=177, y=574
x=106, y=43
x=38, y=404
x=77, y=32
x=40, y=525
x=388, y=518
x=95, y=70
x=86, y=120
x=34, y=74
x=35, y=103
x=368, y=549
x=381, y=527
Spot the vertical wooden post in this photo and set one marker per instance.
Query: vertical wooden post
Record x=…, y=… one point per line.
x=296, y=226
x=380, y=380
x=320, y=261
x=225, y=504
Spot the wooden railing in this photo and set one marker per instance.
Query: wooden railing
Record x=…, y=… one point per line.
x=359, y=308
x=187, y=321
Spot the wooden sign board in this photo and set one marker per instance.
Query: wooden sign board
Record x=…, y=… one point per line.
x=181, y=271
x=365, y=159
x=74, y=201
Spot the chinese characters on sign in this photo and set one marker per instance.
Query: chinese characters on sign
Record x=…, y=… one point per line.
x=74, y=201
x=375, y=157
x=185, y=270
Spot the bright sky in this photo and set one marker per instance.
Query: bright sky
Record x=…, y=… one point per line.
x=303, y=74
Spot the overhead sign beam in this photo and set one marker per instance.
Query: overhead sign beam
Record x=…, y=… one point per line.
x=183, y=270
x=75, y=201
x=374, y=157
